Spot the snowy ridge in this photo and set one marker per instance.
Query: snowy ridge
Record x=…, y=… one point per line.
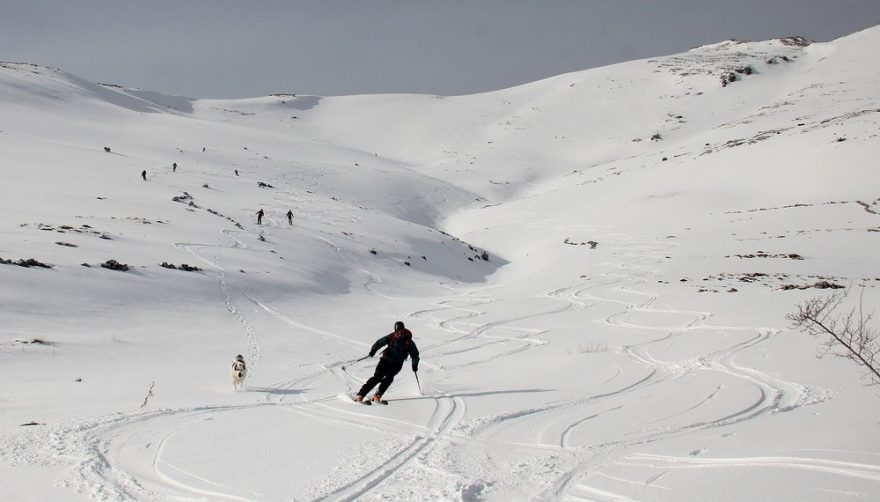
x=596, y=268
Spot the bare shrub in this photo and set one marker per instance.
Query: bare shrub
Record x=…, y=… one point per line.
x=847, y=334
x=149, y=394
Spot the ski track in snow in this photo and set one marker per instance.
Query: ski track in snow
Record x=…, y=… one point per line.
x=105, y=473
x=856, y=470
x=102, y=472
x=470, y=336
x=774, y=395
x=447, y=413
x=106, y=449
x=231, y=306
x=108, y=471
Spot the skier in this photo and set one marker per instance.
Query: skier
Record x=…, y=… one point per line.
x=289, y=217
x=174, y=167
x=399, y=345
x=260, y=217
x=144, y=174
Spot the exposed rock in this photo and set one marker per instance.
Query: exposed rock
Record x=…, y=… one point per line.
x=114, y=265
x=30, y=262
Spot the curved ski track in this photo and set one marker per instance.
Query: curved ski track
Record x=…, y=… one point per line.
x=105, y=470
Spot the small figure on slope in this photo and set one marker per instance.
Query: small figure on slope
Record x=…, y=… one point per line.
x=399, y=345
x=289, y=217
x=174, y=167
x=144, y=174
x=260, y=217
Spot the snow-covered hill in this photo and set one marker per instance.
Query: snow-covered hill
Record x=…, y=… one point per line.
x=596, y=267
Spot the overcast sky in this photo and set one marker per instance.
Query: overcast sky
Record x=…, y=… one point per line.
x=237, y=48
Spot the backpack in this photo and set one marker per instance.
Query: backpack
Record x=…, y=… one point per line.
x=398, y=344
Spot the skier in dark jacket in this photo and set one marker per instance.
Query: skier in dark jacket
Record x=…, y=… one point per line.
x=399, y=345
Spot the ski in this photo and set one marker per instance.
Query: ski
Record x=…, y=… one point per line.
x=369, y=402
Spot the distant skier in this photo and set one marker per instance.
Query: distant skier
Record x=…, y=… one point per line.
x=289, y=217
x=260, y=217
x=236, y=172
x=144, y=174
x=399, y=345
x=174, y=167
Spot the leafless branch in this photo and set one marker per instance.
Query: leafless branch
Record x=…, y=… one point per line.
x=847, y=334
x=149, y=395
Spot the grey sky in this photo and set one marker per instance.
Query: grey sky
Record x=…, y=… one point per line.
x=235, y=48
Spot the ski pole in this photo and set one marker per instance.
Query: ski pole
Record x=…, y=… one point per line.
x=417, y=381
x=355, y=361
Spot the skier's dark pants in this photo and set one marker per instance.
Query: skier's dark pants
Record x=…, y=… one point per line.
x=385, y=372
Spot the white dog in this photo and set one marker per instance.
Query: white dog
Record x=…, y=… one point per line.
x=239, y=372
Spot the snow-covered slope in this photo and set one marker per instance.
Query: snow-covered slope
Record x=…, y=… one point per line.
x=596, y=267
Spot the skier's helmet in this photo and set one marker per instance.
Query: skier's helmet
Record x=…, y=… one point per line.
x=398, y=326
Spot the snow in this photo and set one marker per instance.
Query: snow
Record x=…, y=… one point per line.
x=616, y=343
